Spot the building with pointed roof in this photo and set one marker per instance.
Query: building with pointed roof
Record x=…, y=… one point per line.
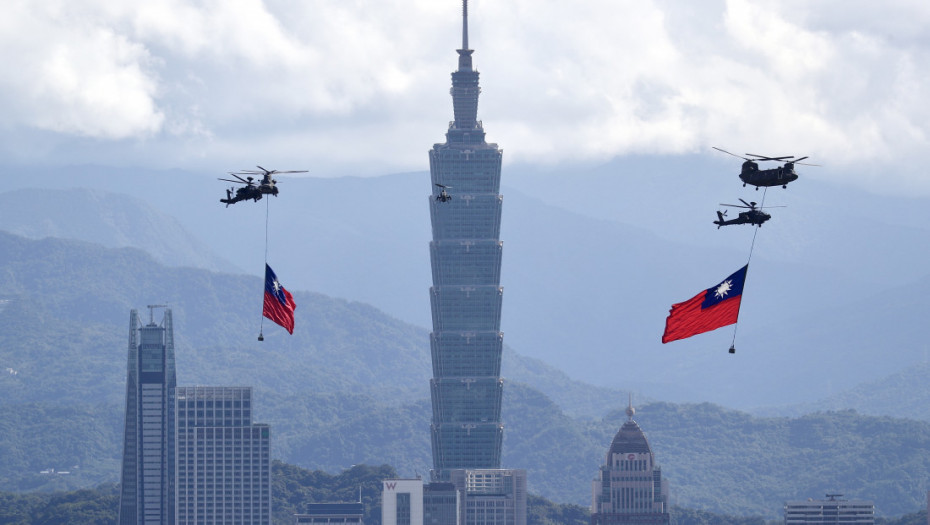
x=466, y=296
x=629, y=488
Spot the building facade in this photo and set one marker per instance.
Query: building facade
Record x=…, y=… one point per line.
x=147, y=477
x=441, y=504
x=491, y=496
x=629, y=488
x=402, y=502
x=332, y=514
x=466, y=296
x=830, y=511
x=223, y=459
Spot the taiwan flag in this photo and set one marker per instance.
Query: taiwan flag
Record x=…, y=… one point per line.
x=712, y=308
x=279, y=304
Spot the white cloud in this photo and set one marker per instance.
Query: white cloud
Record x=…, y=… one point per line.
x=70, y=75
x=356, y=83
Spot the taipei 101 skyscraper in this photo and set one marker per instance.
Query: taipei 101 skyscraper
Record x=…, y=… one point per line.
x=466, y=296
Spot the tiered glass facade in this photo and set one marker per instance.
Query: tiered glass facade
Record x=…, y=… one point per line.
x=147, y=481
x=466, y=295
x=224, y=463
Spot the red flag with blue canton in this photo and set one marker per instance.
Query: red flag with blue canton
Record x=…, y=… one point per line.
x=712, y=308
x=279, y=304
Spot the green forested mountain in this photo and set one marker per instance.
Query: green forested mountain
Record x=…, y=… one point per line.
x=350, y=387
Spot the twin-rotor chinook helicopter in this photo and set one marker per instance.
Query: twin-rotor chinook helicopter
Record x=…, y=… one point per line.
x=251, y=190
x=781, y=176
x=751, y=174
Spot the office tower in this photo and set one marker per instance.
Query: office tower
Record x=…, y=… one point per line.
x=332, y=513
x=147, y=478
x=630, y=488
x=829, y=511
x=223, y=459
x=491, y=496
x=402, y=502
x=441, y=504
x=466, y=296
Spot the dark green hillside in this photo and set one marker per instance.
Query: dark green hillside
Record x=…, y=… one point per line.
x=761, y=462
x=68, y=319
x=350, y=387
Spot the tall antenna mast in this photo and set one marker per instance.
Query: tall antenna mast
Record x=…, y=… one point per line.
x=464, y=24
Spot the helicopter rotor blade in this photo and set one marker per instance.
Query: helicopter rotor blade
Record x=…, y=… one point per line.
x=795, y=161
x=753, y=205
x=734, y=205
x=236, y=175
x=264, y=171
x=234, y=181
x=728, y=153
x=807, y=164
x=766, y=157
x=290, y=171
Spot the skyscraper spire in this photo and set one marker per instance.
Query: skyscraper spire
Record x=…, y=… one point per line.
x=464, y=24
x=465, y=53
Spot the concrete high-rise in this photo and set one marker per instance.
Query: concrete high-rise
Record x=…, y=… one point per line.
x=491, y=496
x=466, y=296
x=629, y=487
x=223, y=459
x=147, y=478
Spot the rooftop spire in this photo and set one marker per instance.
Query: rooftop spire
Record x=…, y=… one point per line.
x=629, y=409
x=465, y=53
x=464, y=24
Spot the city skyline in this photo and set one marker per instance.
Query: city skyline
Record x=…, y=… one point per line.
x=466, y=296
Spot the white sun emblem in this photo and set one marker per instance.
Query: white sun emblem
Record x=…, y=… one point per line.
x=723, y=289
x=276, y=285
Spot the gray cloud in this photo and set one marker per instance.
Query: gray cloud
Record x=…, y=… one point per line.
x=362, y=87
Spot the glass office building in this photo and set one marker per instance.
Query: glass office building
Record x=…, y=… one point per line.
x=224, y=462
x=147, y=479
x=466, y=296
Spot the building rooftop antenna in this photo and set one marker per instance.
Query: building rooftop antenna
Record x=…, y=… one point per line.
x=152, y=308
x=464, y=24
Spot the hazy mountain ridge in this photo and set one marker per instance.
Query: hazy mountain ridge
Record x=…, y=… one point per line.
x=589, y=296
x=111, y=219
x=66, y=336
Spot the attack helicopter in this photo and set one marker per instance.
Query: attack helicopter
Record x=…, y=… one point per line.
x=251, y=190
x=781, y=176
x=443, y=195
x=754, y=215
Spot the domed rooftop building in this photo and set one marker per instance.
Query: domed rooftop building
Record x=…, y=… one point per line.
x=630, y=488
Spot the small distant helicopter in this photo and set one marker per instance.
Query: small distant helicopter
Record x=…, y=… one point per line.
x=754, y=215
x=252, y=191
x=443, y=195
x=781, y=176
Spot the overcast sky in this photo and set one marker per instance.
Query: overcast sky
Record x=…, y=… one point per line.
x=362, y=87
